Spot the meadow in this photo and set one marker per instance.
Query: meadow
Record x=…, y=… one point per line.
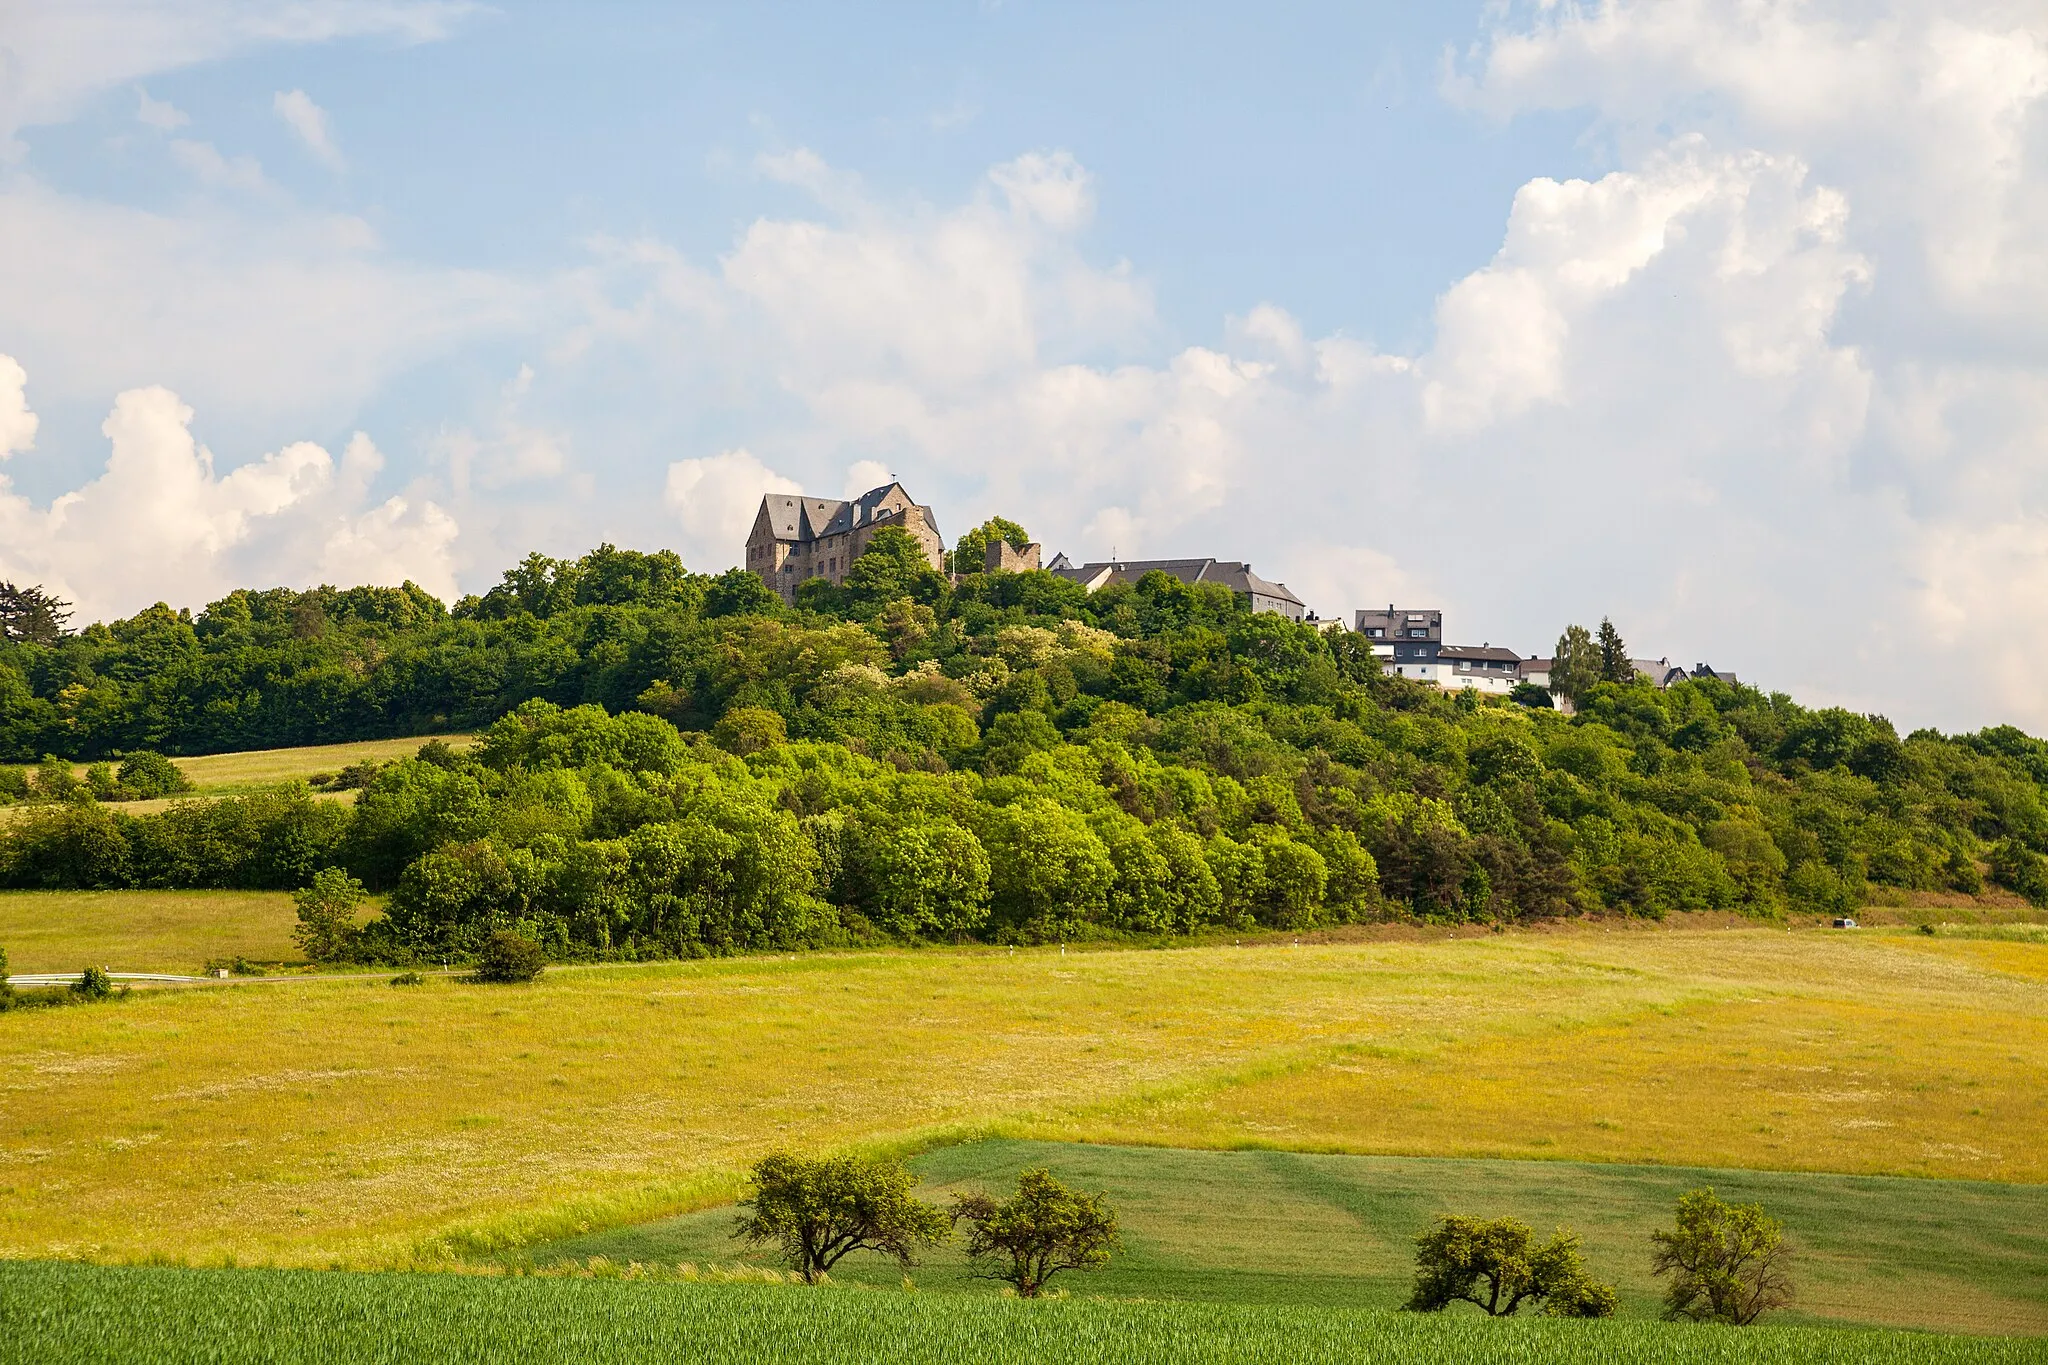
x=154, y=1316
x=357, y=1123
x=144, y=931
x=1298, y=1228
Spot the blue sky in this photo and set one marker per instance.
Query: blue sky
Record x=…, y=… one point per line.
x=1722, y=319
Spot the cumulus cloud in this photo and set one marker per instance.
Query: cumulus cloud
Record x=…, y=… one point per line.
x=161, y=524
x=17, y=423
x=714, y=500
x=309, y=121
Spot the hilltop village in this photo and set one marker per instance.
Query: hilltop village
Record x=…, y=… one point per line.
x=796, y=537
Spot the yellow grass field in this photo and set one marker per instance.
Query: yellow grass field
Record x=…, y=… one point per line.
x=256, y=769
x=323, y=1122
x=144, y=931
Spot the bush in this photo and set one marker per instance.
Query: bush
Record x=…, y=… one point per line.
x=327, y=915
x=145, y=775
x=2016, y=867
x=408, y=979
x=6, y=991
x=508, y=958
x=13, y=783
x=93, y=984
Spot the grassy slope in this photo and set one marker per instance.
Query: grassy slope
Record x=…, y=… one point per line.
x=1294, y=1228
x=144, y=931
x=166, y=1317
x=347, y=1119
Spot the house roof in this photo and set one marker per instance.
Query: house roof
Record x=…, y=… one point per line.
x=1238, y=577
x=1477, y=653
x=793, y=516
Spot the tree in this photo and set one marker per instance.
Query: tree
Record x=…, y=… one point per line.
x=1531, y=695
x=970, y=554
x=1496, y=1266
x=31, y=615
x=1727, y=1261
x=893, y=565
x=1577, y=664
x=1615, y=665
x=748, y=730
x=1046, y=1228
x=509, y=958
x=150, y=775
x=6, y=990
x=816, y=1211
x=740, y=592
x=327, y=914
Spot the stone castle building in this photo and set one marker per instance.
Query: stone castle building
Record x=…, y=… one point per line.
x=797, y=537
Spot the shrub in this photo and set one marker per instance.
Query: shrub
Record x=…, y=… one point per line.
x=816, y=1211
x=93, y=984
x=13, y=783
x=6, y=990
x=145, y=774
x=2016, y=867
x=509, y=958
x=408, y=979
x=55, y=781
x=327, y=915
x=1044, y=1229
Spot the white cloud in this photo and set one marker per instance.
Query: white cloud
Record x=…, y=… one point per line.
x=58, y=56
x=161, y=115
x=160, y=524
x=863, y=475
x=714, y=501
x=17, y=423
x=310, y=122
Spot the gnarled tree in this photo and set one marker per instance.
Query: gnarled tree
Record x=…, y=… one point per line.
x=1497, y=1267
x=817, y=1211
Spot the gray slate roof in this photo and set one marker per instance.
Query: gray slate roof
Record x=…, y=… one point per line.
x=1238, y=577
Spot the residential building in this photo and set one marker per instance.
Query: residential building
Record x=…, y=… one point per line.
x=1482, y=667
x=1407, y=638
x=1256, y=592
x=1709, y=671
x=796, y=537
x=1662, y=672
x=1535, y=670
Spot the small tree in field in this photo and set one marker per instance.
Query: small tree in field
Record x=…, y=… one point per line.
x=509, y=958
x=816, y=1211
x=327, y=914
x=1497, y=1267
x=1727, y=1261
x=1045, y=1229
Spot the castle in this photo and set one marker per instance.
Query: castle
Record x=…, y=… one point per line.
x=796, y=537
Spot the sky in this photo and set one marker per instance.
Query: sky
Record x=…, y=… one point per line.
x=1728, y=321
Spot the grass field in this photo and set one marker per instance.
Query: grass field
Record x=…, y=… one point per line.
x=256, y=769
x=63, y=1313
x=1308, y=1229
x=352, y=1121
x=144, y=931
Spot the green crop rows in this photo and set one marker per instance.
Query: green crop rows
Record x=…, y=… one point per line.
x=52, y=1313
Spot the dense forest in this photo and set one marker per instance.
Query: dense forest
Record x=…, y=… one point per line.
x=675, y=763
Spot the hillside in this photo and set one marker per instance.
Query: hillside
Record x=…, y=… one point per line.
x=1008, y=758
